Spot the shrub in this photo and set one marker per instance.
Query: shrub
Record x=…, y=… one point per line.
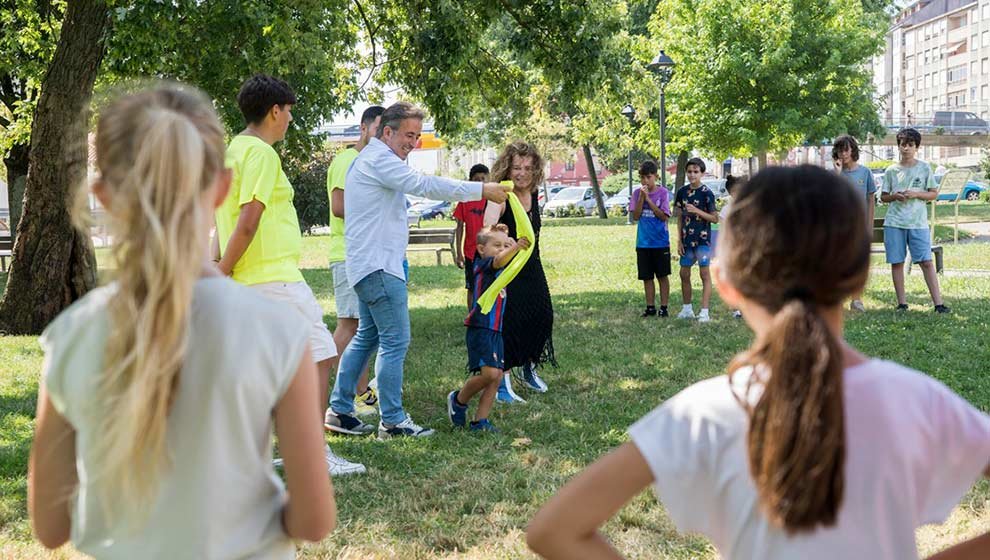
x=985, y=196
x=616, y=211
x=310, y=200
x=615, y=183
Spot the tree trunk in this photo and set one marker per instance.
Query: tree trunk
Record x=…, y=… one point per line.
x=17, y=167
x=593, y=174
x=763, y=160
x=53, y=263
x=682, y=158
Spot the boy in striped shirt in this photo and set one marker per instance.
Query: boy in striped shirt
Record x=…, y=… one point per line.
x=484, y=331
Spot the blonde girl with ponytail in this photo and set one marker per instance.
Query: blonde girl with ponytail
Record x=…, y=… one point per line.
x=805, y=448
x=153, y=431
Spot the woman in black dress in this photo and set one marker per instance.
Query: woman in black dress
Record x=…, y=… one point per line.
x=527, y=327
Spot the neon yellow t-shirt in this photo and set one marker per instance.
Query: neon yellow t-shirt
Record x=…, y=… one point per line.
x=335, y=180
x=273, y=255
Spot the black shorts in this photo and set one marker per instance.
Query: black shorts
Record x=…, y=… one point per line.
x=653, y=263
x=468, y=269
x=485, y=348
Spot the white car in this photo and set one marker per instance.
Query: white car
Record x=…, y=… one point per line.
x=717, y=186
x=581, y=197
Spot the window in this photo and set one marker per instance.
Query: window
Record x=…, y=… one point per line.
x=974, y=68
x=984, y=92
x=920, y=83
x=985, y=64
x=974, y=41
x=986, y=11
x=568, y=166
x=928, y=81
x=974, y=15
x=956, y=74
x=985, y=38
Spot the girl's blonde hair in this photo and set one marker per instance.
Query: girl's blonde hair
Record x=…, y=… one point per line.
x=157, y=152
x=502, y=168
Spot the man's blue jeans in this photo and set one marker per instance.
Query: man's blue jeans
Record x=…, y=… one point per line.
x=383, y=325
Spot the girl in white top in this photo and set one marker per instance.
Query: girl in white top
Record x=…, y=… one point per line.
x=153, y=431
x=806, y=449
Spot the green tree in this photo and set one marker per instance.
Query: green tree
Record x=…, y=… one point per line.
x=759, y=76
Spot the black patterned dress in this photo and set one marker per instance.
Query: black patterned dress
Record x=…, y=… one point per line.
x=527, y=327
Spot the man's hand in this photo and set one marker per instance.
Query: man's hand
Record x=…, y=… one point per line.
x=523, y=243
x=459, y=260
x=493, y=192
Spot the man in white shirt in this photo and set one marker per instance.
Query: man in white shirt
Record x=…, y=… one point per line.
x=376, y=235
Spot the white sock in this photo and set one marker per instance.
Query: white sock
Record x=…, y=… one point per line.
x=704, y=311
x=689, y=307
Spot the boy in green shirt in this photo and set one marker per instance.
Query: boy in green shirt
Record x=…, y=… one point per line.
x=258, y=240
x=344, y=296
x=908, y=186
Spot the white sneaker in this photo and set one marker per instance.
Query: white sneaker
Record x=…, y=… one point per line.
x=737, y=314
x=857, y=305
x=406, y=428
x=338, y=466
x=704, y=318
x=686, y=314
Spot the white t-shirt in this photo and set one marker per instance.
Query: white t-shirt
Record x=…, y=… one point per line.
x=913, y=449
x=221, y=497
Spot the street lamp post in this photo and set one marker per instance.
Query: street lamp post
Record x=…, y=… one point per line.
x=630, y=114
x=663, y=66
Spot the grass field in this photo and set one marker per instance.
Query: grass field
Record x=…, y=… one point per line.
x=460, y=496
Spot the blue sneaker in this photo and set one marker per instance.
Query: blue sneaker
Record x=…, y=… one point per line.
x=456, y=411
x=531, y=380
x=483, y=425
x=506, y=394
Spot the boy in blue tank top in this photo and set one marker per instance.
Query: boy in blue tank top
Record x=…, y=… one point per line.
x=495, y=249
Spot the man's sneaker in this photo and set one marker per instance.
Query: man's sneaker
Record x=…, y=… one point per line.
x=346, y=424
x=406, y=428
x=686, y=314
x=338, y=466
x=663, y=312
x=901, y=307
x=703, y=317
x=942, y=309
x=483, y=425
x=506, y=394
x=649, y=312
x=857, y=305
x=531, y=380
x=737, y=314
x=456, y=411
x=365, y=403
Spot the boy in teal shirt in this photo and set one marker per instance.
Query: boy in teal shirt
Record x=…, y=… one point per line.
x=907, y=186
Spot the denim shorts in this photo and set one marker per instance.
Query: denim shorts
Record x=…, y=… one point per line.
x=485, y=349
x=897, y=241
x=702, y=254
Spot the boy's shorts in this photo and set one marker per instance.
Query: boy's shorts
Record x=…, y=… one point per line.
x=468, y=270
x=897, y=241
x=344, y=295
x=652, y=262
x=484, y=348
x=702, y=254
x=300, y=296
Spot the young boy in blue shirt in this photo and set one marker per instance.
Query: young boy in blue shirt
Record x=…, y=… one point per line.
x=695, y=211
x=650, y=209
x=484, y=331
x=845, y=150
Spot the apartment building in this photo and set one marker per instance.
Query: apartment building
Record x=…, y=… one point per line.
x=937, y=58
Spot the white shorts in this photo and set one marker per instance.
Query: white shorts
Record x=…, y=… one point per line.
x=343, y=294
x=300, y=296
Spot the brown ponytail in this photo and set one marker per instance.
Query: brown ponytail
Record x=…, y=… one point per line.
x=796, y=243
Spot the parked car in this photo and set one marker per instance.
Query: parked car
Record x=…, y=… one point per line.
x=552, y=190
x=717, y=186
x=618, y=200
x=971, y=191
x=581, y=197
x=425, y=209
x=959, y=122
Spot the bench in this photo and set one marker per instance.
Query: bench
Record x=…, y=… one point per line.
x=878, y=240
x=444, y=237
x=6, y=250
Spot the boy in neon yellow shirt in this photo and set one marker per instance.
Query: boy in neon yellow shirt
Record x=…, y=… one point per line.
x=257, y=227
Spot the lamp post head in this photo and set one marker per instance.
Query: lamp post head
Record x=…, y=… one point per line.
x=629, y=113
x=663, y=66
